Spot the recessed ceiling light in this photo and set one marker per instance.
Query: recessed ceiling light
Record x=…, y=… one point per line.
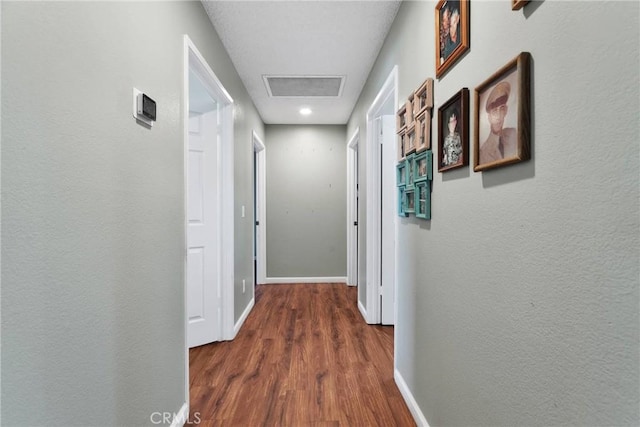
x=305, y=111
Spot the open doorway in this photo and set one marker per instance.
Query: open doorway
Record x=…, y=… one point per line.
x=381, y=205
x=259, y=211
x=352, y=209
x=208, y=173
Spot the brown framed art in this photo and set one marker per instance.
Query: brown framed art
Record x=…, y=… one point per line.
x=452, y=33
x=453, y=132
x=423, y=134
x=410, y=140
x=423, y=97
x=502, y=116
x=401, y=153
x=518, y=4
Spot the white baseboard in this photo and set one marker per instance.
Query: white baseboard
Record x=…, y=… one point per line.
x=418, y=416
x=244, y=316
x=274, y=280
x=363, y=311
x=181, y=417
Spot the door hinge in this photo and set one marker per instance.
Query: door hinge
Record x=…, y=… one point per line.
x=355, y=223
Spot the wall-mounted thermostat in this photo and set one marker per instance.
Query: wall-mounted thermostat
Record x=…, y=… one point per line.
x=144, y=108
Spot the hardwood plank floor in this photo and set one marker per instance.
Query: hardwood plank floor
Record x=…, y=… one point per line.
x=304, y=357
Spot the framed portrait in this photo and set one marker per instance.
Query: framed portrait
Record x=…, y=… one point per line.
x=410, y=201
x=401, y=202
x=423, y=97
x=423, y=166
x=423, y=132
x=423, y=200
x=452, y=33
x=401, y=174
x=401, y=153
x=410, y=140
x=518, y=4
x=401, y=118
x=502, y=116
x=410, y=167
x=453, y=132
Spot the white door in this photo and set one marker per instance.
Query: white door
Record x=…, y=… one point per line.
x=203, y=284
x=386, y=129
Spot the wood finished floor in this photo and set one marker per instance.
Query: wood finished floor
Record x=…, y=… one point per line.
x=304, y=357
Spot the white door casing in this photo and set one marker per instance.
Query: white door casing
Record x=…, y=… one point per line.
x=203, y=285
x=373, y=235
x=261, y=210
x=194, y=62
x=352, y=209
x=387, y=138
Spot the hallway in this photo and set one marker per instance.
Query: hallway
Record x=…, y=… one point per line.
x=303, y=357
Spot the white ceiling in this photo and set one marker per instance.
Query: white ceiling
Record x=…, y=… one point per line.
x=303, y=38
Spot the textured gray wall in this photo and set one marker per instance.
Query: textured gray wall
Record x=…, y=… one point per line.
x=93, y=208
x=518, y=302
x=306, y=201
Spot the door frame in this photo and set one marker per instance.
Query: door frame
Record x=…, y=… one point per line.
x=374, y=196
x=261, y=188
x=195, y=62
x=352, y=209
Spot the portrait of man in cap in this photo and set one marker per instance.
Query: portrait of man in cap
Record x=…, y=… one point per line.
x=502, y=141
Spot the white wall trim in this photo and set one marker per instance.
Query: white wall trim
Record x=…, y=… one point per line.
x=261, y=197
x=244, y=316
x=278, y=280
x=194, y=61
x=352, y=214
x=181, y=417
x=363, y=310
x=374, y=220
x=418, y=416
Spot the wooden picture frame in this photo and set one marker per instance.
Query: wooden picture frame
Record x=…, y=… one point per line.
x=410, y=140
x=451, y=41
x=423, y=132
x=401, y=153
x=503, y=116
x=410, y=168
x=409, y=201
x=453, y=132
x=423, y=200
x=401, y=202
x=423, y=97
x=401, y=174
x=518, y=4
x=401, y=119
x=423, y=167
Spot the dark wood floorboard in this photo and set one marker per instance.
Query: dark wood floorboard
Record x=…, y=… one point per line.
x=304, y=357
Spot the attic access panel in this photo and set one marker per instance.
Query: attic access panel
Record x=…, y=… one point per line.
x=304, y=86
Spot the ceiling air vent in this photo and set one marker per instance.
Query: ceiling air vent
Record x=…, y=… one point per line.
x=304, y=86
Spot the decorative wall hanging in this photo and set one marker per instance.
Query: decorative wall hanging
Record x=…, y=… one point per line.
x=401, y=174
x=415, y=160
x=401, y=136
x=423, y=167
x=502, y=116
x=423, y=200
x=401, y=201
x=453, y=132
x=452, y=33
